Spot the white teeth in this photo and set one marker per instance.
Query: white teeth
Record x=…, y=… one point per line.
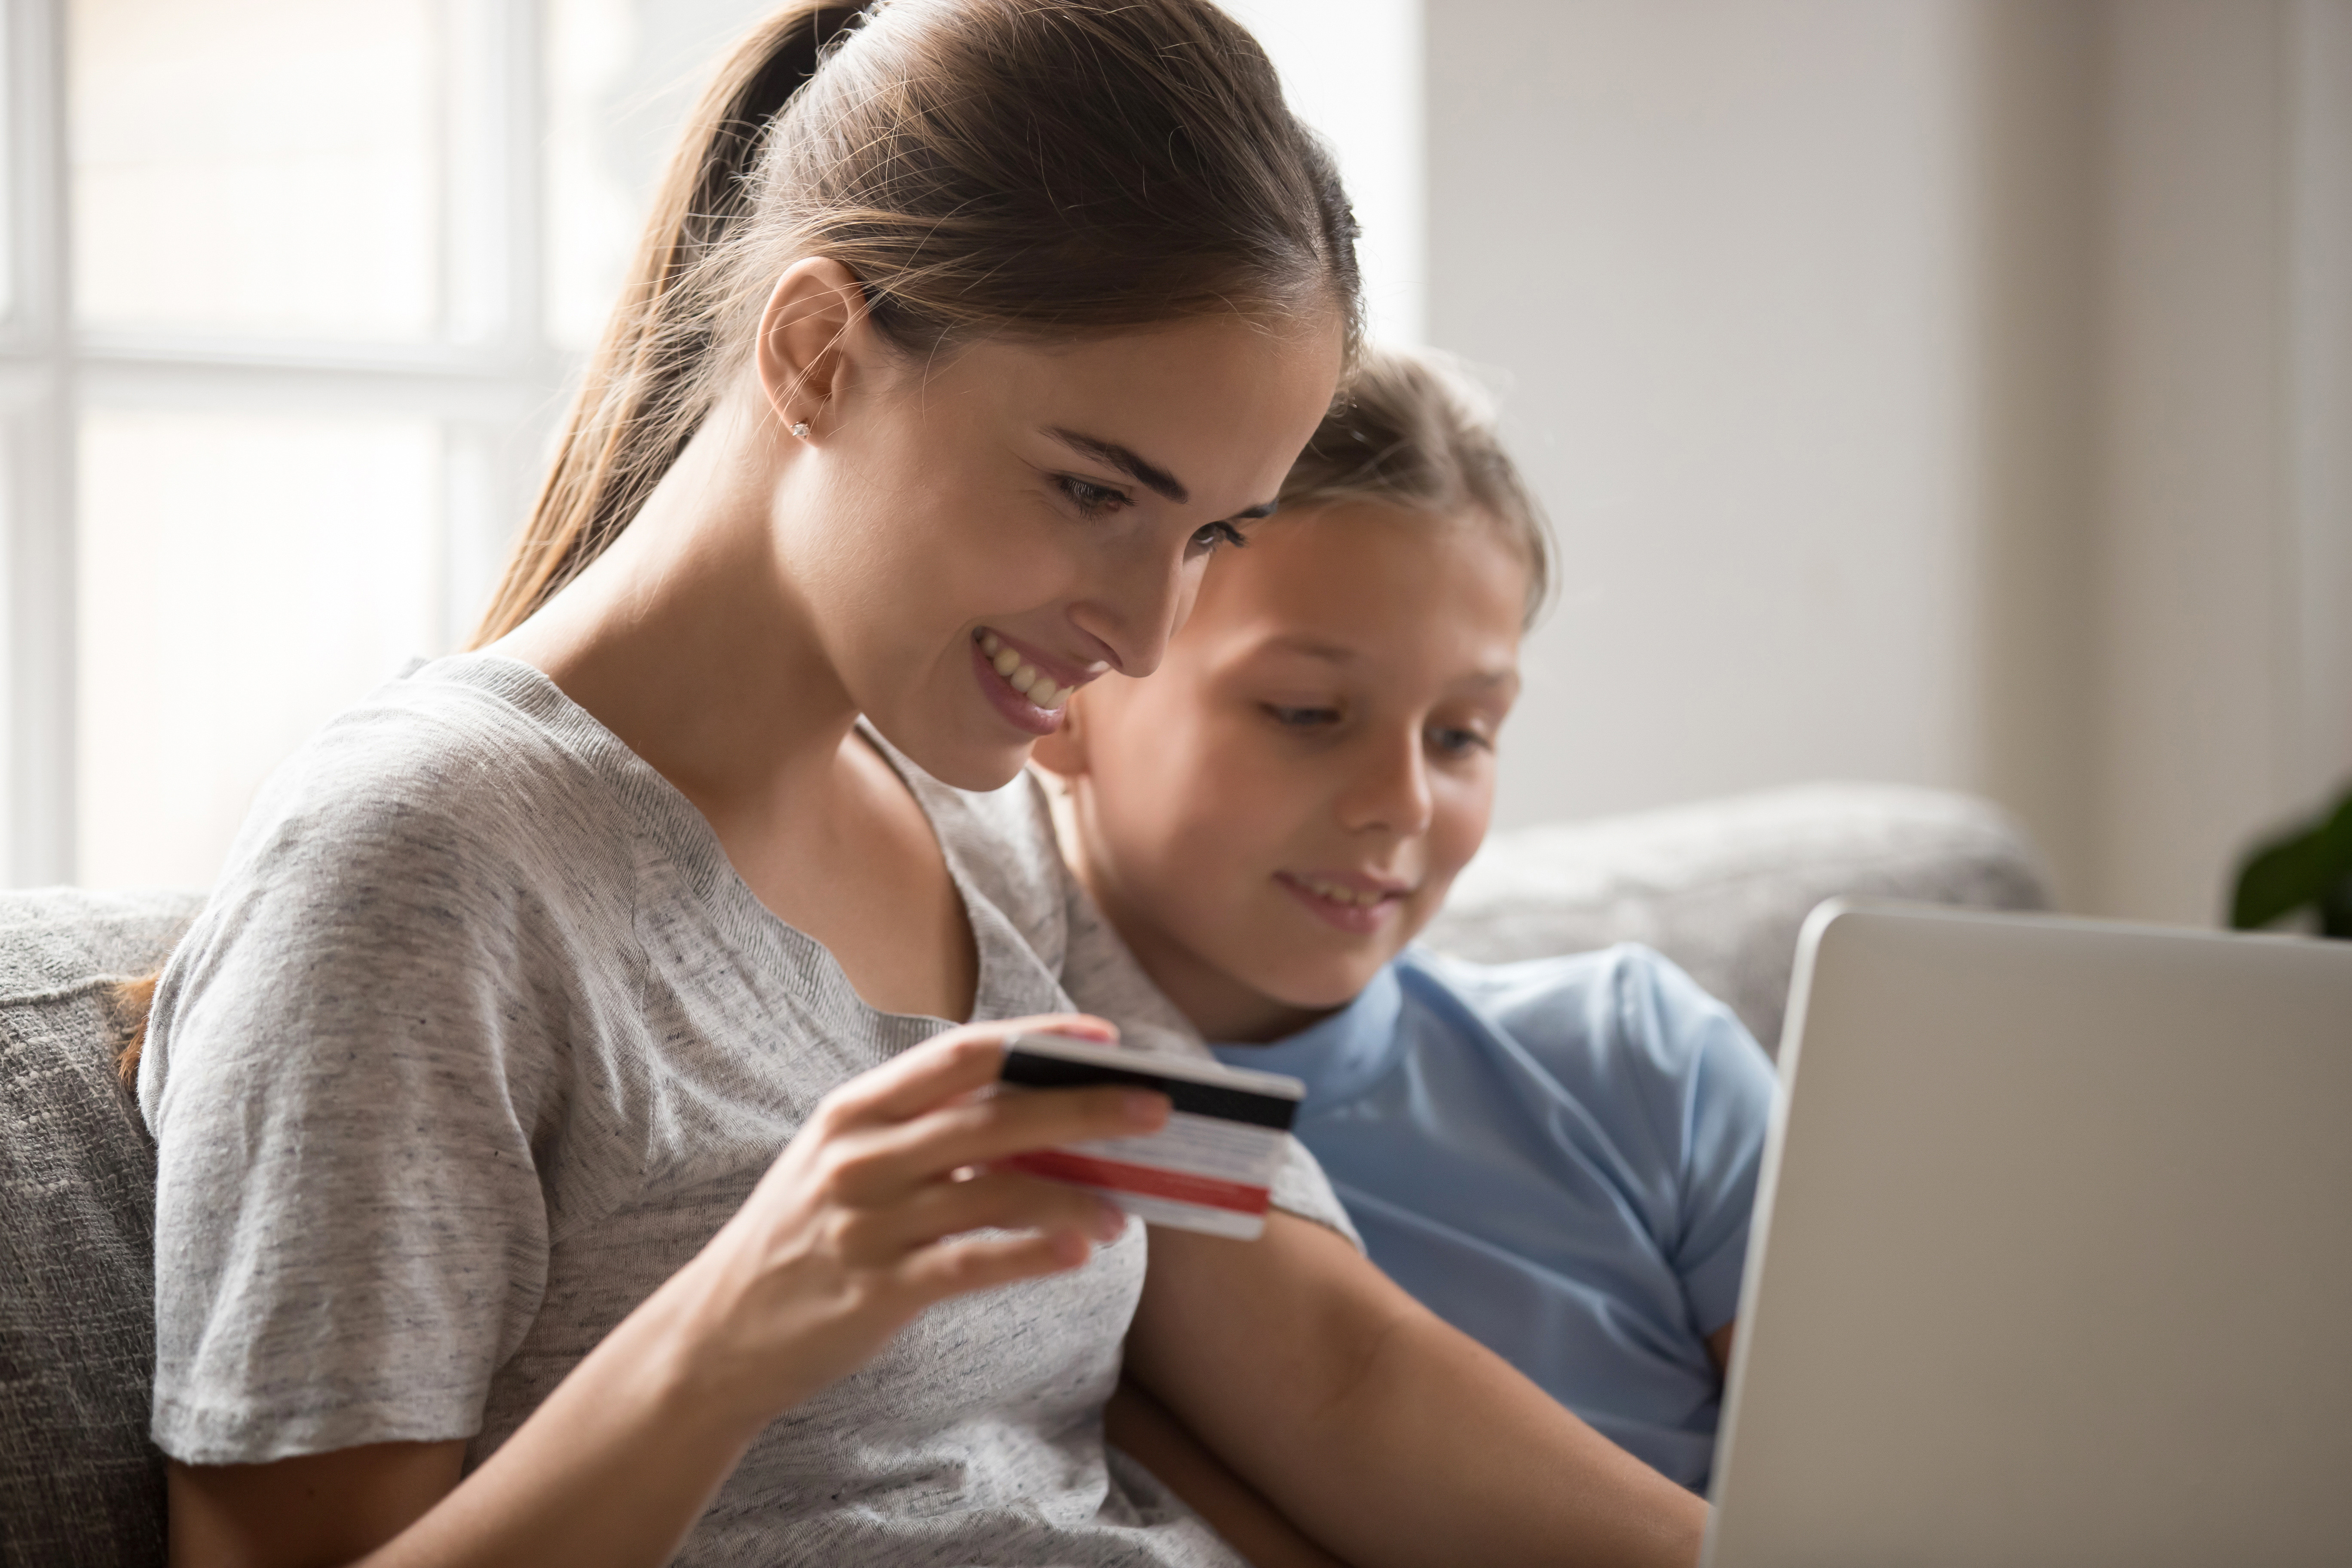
x=1351, y=897
x=1025, y=678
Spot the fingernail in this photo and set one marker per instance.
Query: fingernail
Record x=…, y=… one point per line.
x=1144, y=1108
x=1111, y=1220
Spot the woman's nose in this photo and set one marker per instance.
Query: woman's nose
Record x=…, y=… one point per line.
x=1389, y=789
x=1136, y=614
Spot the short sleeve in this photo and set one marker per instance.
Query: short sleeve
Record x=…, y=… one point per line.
x=1727, y=1090
x=341, y=1079
x=1103, y=977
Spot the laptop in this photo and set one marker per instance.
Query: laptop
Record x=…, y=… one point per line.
x=2053, y=1253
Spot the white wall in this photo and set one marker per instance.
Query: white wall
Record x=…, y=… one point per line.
x=1353, y=70
x=1718, y=255
x=1953, y=392
x=2227, y=522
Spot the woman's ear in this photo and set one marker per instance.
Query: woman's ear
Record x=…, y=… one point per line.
x=812, y=335
x=1064, y=753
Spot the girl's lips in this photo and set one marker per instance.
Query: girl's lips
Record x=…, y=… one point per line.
x=1017, y=710
x=1347, y=910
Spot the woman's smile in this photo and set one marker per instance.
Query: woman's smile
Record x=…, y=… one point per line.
x=1024, y=686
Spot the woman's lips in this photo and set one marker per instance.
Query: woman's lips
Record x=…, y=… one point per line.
x=1352, y=904
x=1020, y=709
x=1035, y=678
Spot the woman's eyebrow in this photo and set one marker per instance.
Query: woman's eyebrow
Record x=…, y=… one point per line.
x=1125, y=461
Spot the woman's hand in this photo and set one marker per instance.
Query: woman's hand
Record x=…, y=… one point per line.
x=867, y=1218
x=860, y=1224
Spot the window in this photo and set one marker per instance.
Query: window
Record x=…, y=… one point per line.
x=289, y=294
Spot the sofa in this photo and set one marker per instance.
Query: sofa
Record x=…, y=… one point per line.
x=1721, y=887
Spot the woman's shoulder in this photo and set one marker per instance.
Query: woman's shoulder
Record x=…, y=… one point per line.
x=434, y=853
x=463, y=757
x=434, y=825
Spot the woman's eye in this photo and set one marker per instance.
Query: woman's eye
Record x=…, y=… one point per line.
x=1091, y=499
x=1300, y=718
x=1216, y=534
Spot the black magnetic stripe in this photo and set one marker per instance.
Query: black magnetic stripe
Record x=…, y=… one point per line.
x=1227, y=1104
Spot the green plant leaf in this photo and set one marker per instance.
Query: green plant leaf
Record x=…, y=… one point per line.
x=2310, y=866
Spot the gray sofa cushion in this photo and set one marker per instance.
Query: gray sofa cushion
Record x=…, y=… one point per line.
x=78, y=1481
x=1722, y=888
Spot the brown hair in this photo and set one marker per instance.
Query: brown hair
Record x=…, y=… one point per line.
x=1039, y=167
x=1409, y=431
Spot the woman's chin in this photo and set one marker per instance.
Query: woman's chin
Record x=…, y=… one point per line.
x=980, y=757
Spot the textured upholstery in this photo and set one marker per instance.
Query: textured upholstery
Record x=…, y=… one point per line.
x=1723, y=887
x=78, y=1482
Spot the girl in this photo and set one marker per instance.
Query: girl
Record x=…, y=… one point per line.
x=1558, y=1157
x=966, y=330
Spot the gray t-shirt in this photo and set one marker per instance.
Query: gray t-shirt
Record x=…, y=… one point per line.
x=481, y=1038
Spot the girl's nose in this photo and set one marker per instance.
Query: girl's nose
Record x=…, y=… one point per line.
x=1389, y=789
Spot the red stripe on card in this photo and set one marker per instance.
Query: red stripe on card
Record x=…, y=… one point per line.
x=1061, y=1165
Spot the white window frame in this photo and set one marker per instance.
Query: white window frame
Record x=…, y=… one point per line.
x=493, y=379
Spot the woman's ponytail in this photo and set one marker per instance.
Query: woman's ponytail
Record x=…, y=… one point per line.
x=1031, y=167
x=633, y=414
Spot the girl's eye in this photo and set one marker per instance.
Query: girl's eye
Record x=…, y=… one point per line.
x=1300, y=718
x=1216, y=534
x=1455, y=743
x=1091, y=499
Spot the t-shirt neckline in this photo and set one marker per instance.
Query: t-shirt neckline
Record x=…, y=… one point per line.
x=662, y=809
x=1339, y=1057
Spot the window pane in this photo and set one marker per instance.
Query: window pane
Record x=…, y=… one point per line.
x=244, y=577
x=621, y=76
x=264, y=166
x=595, y=190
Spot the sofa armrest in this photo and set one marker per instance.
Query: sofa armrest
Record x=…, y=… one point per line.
x=79, y=1482
x=1722, y=887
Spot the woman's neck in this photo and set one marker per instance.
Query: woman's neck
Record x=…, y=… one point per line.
x=685, y=639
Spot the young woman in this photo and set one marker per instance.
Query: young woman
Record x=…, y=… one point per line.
x=966, y=330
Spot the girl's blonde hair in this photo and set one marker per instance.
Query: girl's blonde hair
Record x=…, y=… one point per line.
x=1037, y=167
x=1409, y=431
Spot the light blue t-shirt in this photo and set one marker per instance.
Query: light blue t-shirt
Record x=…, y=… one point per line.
x=1558, y=1157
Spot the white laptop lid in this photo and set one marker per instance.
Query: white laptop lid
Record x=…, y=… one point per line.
x=2053, y=1254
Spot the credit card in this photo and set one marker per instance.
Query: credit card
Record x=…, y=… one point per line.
x=1209, y=1169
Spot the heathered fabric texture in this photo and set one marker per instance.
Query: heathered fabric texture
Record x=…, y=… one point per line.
x=480, y=1038
x=78, y=1481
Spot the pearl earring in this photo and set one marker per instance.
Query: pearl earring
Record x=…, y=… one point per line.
x=800, y=428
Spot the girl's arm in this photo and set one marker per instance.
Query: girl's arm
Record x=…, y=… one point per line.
x=1383, y=1432
x=858, y=1226
x=1141, y=1426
